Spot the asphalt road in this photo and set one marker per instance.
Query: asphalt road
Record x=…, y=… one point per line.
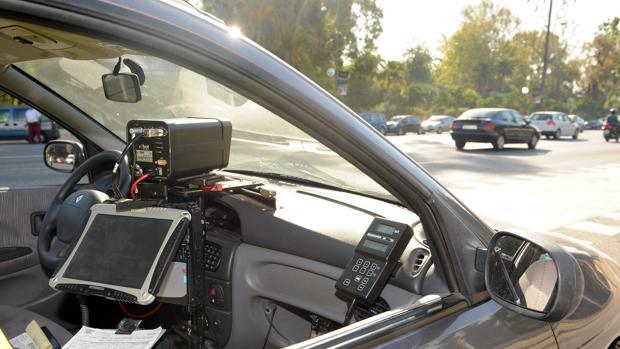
x=563, y=186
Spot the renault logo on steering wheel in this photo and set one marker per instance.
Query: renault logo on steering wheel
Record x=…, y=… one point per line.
x=77, y=200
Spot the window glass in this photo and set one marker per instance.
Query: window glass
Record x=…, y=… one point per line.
x=22, y=162
x=261, y=141
x=4, y=116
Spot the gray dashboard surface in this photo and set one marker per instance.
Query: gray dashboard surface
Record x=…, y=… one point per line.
x=316, y=224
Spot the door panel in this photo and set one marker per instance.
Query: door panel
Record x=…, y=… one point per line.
x=22, y=280
x=263, y=277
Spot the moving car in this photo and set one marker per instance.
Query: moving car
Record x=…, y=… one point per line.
x=437, y=123
x=377, y=119
x=554, y=124
x=595, y=124
x=312, y=184
x=493, y=125
x=401, y=124
x=13, y=125
x=576, y=119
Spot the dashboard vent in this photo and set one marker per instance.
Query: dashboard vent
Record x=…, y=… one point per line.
x=364, y=311
x=418, y=263
x=212, y=255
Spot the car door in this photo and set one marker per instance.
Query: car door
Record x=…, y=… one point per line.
x=5, y=116
x=523, y=129
x=566, y=125
x=508, y=126
x=20, y=126
x=27, y=187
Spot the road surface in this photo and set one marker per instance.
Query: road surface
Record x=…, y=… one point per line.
x=564, y=186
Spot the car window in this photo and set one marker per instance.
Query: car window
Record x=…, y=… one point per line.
x=518, y=118
x=477, y=114
x=22, y=162
x=4, y=117
x=19, y=116
x=505, y=116
x=542, y=117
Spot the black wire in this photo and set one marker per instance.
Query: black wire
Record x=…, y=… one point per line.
x=115, y=171
x=273, y=314
x=349, y=314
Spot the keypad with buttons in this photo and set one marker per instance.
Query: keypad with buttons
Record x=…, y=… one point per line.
x=376, y=257
x=361, y=275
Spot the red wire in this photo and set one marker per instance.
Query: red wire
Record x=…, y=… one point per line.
x=134, y=186
x=138, y=316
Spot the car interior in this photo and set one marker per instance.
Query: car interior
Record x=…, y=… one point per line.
x=272, y=239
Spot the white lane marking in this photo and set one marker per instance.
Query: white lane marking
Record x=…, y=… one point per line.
x=596, y=228
x=21, y=156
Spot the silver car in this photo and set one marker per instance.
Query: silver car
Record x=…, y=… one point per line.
x=438, y=123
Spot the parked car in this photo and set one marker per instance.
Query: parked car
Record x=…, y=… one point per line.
x=576, y=119
x=437, y=123
x=377, y=119
x=554, y=124
x=13, y=125
x=595, y=124
x=307, y=185
x=401, y=124
x=493, y=125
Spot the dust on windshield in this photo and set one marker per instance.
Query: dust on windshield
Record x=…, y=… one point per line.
x=262, y=141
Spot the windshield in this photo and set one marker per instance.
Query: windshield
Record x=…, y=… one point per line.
x=477, y=114
x=436, y=118
x=261, y=141
x=542, y=117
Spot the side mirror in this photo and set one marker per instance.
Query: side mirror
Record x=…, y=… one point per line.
x=532, y=276
x=63, y=156
x=122, y=87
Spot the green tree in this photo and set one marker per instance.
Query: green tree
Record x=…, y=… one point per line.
x=477, y=56
x=602, y=71
x=311, y=35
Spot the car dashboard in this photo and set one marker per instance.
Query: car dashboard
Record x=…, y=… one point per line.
x=282, y=258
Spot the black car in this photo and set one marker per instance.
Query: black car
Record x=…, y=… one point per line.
x=493, y=125
x=401, y=124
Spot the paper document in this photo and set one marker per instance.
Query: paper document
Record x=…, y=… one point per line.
x=94, y=338
x=23, y=341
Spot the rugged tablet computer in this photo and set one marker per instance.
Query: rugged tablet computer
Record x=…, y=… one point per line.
x=123, y=255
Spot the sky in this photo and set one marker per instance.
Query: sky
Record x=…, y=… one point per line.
x=407, y=23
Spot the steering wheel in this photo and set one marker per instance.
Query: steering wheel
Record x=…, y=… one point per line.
x=69, y=211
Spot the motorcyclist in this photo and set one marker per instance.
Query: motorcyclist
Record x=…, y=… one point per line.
x=612, y=120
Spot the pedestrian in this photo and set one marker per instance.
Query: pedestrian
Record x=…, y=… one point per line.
x=33, y=118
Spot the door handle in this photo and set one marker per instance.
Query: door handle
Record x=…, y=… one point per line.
x=10, y=253
x=36, y=218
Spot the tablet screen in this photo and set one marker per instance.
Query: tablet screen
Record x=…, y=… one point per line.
x=118, y=250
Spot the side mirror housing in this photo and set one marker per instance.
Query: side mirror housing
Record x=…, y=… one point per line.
x=63, y=156
x=122, y=87
x=532, y=276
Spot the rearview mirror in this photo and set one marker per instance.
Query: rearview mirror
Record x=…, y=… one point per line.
x=122, y=87
x=533, y=276
x=63, y=156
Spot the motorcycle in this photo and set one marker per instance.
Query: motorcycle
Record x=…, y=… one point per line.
x=609, y=132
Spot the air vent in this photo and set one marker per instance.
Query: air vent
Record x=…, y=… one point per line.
x=418, y=263
x=212, y=255
x=364, y=311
